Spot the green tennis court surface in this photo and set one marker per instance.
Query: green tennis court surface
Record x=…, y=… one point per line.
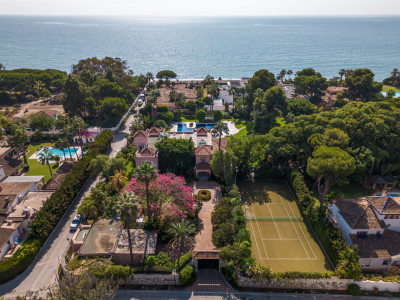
x=280, y=238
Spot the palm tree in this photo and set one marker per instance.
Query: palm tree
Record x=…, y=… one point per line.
x=5, y=123
x=255, y=115
x=127, y=207
x=342, y=72
x=118, y=180
x=2, y=67
x=45, y=157
x=182, y=233
x=79, y=126
x=395, y=72
x=289, y=73
x=61, y=144
x=149, y=77
x=219, y=129
x=146, y=173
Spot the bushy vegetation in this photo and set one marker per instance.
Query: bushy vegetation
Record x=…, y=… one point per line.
x=204, y=195
x=53, y=209
x=183, y=260
x=186, y=275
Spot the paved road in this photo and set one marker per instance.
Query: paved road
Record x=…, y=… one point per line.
x=42, y=273
x=177, y=295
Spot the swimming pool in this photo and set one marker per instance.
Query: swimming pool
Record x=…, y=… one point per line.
x=183, y=128
x=205, y=125
x=396, y=94
x=60, y=152
x=391, y=195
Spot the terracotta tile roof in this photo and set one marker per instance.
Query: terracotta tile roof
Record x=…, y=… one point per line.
x=385, y=205
x=140, y=133
x=56, y=180
x=10, y=165
x=48, y=112
x=14, y=188
x=373, y=246
x=203, y=150
x=358, y=214
x=147, y=151
x=202, y=131
x=224, y=144
x=154, y=131
x=335, y=89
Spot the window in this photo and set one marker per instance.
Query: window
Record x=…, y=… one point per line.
x=362, y=232
x=385, y=262
x=202, y=158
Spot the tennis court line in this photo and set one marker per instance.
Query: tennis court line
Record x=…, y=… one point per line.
x=259, y=231
x=273, y=220
x=291, y=222
x=280, y=239
x=288, y=258
x=304, y=235
x=258, y=249
x=312, y=250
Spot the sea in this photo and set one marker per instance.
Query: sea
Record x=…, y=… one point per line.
x=227, y=47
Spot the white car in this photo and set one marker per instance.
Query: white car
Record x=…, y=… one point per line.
x=75, y=223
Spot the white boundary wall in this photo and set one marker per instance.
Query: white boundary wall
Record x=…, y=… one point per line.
x=380, y=285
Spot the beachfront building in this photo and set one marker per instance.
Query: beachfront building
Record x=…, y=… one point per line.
x=372, y=223
x=145, y=141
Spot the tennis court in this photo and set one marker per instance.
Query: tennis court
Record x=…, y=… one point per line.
x=280, y=238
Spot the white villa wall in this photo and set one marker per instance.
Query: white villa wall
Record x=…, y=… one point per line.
x=393, y=224
x=6, y=246
x=380, y=285
x=346, y=230
x=373, y=263
x=224, y=95
x=2, y=174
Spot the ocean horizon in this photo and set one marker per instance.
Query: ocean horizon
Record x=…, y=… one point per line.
x=228, y=47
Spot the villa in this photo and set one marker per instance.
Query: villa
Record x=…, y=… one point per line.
x=8, y=164
x=205, y=146
x=372, y=223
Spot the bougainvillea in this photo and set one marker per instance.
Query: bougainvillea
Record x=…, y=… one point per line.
x=170, y=198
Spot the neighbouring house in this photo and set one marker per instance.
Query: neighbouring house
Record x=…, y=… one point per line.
x=331, y=93
x=86, y=138
x=12, y=231
x=8, y=164
x=225, y=94
x=101, y=239
x=373, y=223
x=55, y=181
x=145, y=141
x=288, y=88
x=142, y=240
x=37, y=180
x=49, y=113
x=79, y=237
x=11, y=194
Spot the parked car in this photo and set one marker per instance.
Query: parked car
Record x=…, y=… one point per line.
x=140, y=102
x=75, y=223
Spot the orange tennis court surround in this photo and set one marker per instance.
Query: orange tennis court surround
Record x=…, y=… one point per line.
x=280, y=238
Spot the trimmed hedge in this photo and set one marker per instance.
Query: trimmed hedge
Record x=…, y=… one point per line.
x=186, y=275
x=53, y=210
x=183, y=260
x=204, y=195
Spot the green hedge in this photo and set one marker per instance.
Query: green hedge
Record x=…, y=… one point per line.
x=53, y=210
x=186, y=275
x=183, y=260
x=204, y=195
x=330, y=237
x=153, y=269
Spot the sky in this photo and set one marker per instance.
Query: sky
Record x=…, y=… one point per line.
x=200, y=8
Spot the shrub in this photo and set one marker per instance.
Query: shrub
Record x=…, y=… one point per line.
x=118, y=272
x=186, y=274
x=53, y=209
x=204, y=195
x=218, y=115
x=183, y=260
x=201, y=115
x=354, y=289
x=224, y=235
x=155, y=269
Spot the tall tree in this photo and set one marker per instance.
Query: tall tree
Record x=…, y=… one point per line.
x=127, y=208
x=361, y=85
x=45, y=157
x=182, y=233
x=61, y=144
x=79, y=126
x=18, y=138
x=213, y=90
x=311, y=83
x=348, y=265
x=74, y=96
x=146, y=173
x=331, y=165
x=150, y=77
x=220, y=128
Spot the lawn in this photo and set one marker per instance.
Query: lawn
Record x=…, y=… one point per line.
x=386, y=88
x=280, y=238
x=349, y=191
x=35, y=167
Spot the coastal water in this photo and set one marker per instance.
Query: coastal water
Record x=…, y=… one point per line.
x=229, y=47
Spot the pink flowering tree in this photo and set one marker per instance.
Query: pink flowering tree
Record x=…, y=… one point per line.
x=170, y=199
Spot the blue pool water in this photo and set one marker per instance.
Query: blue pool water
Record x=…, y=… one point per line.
x=60, y=152
x=205, y=125
x=183, y=128
x=391, y=195
x=396, y=94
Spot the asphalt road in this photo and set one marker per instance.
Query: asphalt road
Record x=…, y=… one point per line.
x=186, y=295
x=42, y=273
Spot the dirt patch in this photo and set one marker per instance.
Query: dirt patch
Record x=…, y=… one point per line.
x=189, y=93
x=172, y=250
